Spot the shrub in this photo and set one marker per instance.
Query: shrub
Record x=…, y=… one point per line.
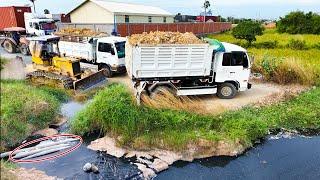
x=248, y=30
x=2, y=63
x=266, y=45
x=299, y=23
x=284, y=70
x=24, y=109
x=297, y=44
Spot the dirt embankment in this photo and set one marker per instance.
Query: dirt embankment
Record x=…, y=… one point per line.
x=24, y=174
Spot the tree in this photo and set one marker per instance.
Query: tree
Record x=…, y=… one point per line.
x=248, y=30
x=34, y=6
x=299, y=22
x=46, y=11
x=206, y=5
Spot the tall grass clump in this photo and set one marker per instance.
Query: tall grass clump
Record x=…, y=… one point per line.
x=286, y=70
x=25, y=109
x=297, y=44
x=114, y=112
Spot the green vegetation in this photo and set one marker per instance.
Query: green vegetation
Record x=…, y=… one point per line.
x=2, y=63
x=299, y=23
x=283, y=58
x=25, y=108
x=114, y=112
x=271, y=36
x=248, y=30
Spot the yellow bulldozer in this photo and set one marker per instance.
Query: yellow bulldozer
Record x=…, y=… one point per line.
x=49, y=64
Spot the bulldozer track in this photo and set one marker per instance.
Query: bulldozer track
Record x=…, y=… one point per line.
x=66, y=81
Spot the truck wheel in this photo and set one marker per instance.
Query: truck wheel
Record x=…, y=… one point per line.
x=24, y=49
x=161, y=91
x=108, y=72
x=226, y=91
x=9, y=46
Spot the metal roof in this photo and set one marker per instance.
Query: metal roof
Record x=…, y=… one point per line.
x=127, y=8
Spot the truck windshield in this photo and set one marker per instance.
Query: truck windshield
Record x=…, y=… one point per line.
x=47, y=26
x=120, y=46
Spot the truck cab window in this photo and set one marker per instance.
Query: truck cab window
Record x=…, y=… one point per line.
x=104, y=47
x=227, y=58
x=235, y=59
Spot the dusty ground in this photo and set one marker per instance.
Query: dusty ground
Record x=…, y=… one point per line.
x=24, y=174
x=260, y=94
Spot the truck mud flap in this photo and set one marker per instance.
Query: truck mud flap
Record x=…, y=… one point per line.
x=90, y=81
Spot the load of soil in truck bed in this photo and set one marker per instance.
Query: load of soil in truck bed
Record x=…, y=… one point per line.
x=79, y=32
x=159, y=37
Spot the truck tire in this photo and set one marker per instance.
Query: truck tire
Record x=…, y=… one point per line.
x=108, y=72
x=226, y=91
x=161, y=91
x=24, y=49
x=9, y=46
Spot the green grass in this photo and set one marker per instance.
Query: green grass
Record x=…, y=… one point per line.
x=271, y=35
x=25, y=108
x=114, y=112
x=282, y=64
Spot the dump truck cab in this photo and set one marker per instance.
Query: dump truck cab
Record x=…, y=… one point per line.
x=110, y=53
x=232, y=65
x=39, y=25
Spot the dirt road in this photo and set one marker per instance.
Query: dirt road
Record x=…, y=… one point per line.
x=260, y=94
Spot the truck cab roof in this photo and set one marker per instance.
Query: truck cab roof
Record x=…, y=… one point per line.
x=112, y=39
x=232, y=47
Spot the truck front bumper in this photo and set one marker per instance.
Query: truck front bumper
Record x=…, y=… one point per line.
x=119, y=69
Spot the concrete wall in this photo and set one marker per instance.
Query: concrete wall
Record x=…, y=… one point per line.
x=143, y=19
x=91, y=13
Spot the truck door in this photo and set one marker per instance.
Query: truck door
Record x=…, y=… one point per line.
x=105, y=54
x=236, y=67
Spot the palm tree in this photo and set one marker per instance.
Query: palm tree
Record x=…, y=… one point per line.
x=206, y=5
x=34, y=7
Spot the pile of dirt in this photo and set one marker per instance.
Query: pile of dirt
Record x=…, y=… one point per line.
x=79, y=32
x=159, y=37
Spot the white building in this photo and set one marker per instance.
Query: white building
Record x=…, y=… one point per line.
x=99, y=11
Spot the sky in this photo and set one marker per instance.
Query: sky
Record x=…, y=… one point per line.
x=266, y=9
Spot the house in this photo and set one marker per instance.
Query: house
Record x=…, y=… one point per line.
x=99, y=11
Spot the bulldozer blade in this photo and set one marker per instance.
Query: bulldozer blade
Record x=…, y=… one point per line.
x=90, y=81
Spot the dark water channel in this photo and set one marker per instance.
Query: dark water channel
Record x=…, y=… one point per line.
x=285, y=158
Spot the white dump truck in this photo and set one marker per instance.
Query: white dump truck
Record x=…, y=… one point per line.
x=106, y=52
x=193, y=69
x=39, y=24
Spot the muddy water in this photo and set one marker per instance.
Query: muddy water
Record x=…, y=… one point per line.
x=70, y=166
x=285, y=158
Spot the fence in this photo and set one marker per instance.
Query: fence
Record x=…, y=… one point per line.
x=128, y=29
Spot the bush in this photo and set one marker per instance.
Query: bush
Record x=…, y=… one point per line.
x=2, y=63
x=25, y=109
x=266, y=45
x=248, y=30
x=284, y=70
x=114, y=111
x=299, y=23
x=297, y=44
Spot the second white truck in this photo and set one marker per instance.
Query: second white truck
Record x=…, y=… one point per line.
x=106, y=52
x=193, y=69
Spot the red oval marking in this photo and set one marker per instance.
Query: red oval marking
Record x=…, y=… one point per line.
x=63, y=153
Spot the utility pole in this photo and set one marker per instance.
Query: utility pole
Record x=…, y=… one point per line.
x=206, y=5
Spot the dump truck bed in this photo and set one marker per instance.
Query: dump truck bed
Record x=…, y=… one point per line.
x=80, y=50
x=168, y=60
